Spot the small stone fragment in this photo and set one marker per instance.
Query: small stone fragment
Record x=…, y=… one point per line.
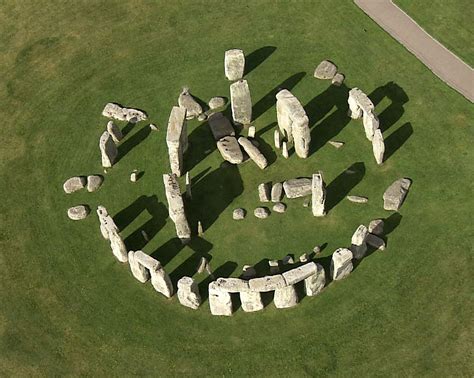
x=216, y=103
x=376, y=227
x=202, y=117
x=114, y=132
x=287, y=260
x=78, y=212
x=276, y=139
x=238, y=214
x=325, y=70
x=234, y=64
x=295, y=188
x=304, y=258
x=264, y=192
x=74, y=184
x=338, y=79
x=153, y=127
x=378, y=146
x=261, y=212
x=94, y=182
x=134, y=176
x=145, y=236
x=395, y=194
x=279, y=207
x=220, y=301
x=189, y=193
x=358, y=199
x=336, y=144
x=277, y=192
x=251, y=132
x=230, y=150
x=274, y=266
x=188, y=293
x=306, y=202
x=317, y=250
x=285, y=297
x=341, y=264
x=200, y=229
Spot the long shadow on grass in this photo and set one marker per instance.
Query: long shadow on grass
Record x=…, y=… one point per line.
x=395, y=110
x=127, y=145
x=396, y=139
x=150, y=203
x=201, y=144
x=342, y=185
x=257, y=57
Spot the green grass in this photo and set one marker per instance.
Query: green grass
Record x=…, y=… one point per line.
x=449, y=21
x=67, y=306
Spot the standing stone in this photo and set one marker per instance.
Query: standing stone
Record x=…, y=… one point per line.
x=234, y=64
x=220, y=301
x=216, y=103
x=238, y=214
x=318, y=195
x=118, y=247
x=187, y=101
x=253, y=153
x=378, y=146
x=301, y=138
x=371, y=124
x=176, y=207
x=304, y=258
x=316, y=282
x=200, y=229
x=162, y=282
x=78, y=212
x=251, y=301
x=74, y=184
x=376, y=227
x=338, y=79
x=295, y=188
x=276, y=139
x=279, y=207
x=188, y=293
x=341, y=264
x=284, y=150
x=134, y=176
x=203, y=265
x=251, y=132
x=114, y=132
x=240, y=102
x=177, y=139
x=261, y=212
x=274, y=266
x=395, y=194
x=138, y=270
x=94, y=182
x=107, y=224
x=285, y=297
x=230, y=150
x=108, y=150
x=326, y=70
x=220, y=126
x=355, y=112
x=277, y=192
x=188, y=185
x=264, y=192
x=358, y=241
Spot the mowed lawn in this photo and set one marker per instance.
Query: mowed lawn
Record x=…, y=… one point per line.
x=449, y=21
x=68, y=307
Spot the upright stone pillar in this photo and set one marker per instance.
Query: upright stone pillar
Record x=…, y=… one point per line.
x=318, y=195
x=241, y=102
x=358, y=241
x=251, y=301
x=234, y=64
x=177, y=139
x=341, y=263
x=378, y=146
x=316, y=282
x=108, y=150
x=138, y=270
x=371, y=123
x=220, y=301
x=285, y=297
x=176, y=207
x=188, y=293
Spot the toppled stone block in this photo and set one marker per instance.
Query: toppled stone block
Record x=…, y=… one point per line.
x=315, y=283
x=261, y=212
x=232, y=285
x=234, y=64
x=177, y=139
x=230, y=150
x=240, y=102
x=108, y=150
x=358, y=244
x=94, y=182
x=376, y=226
x=325, y=70
x=253, y=152
x=277, y=192
x=375, y=242
x=299, y=274
x=220, y=301
x=114, y=132
x=220, y=126
x=176, y=207
x=78, y=212
x=279, y=207
x=341, y=264
x=74, y=184
x=216, y=103
x=336, y=144
x=267, y=283
x=187, y=101
x=238, y=214
x=264, y=192
x=188, y=293
x=318, y=195
x=299, y=187
x=358, y=199
x=251, y=301
x=118, y=112
x=138, y=270
x=395, y=194
x=285, y=297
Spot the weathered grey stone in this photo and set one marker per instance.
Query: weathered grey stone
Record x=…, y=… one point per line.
x=200, y=229
x=177, y=139
x=216, y=103
x=232, y=285
x=295, y=188
x=358, y=244
x=230, y=150
x=355, y=112
x=285, y=297
x=395, y=194
x=317, y=250
x=107, y=224
x=274, y=266
x=298, y=274
x=277, y=192
x=336, y=144
x=138, y=270
x=314, y=283
x=267, y=283
x=220, y=126
x=376, y=227
x=145, y=236
x=338, y=79
x=325, y=70
x=238, y=214
x=287, y=260
x=251, y=301
x=248, y=272
x=189, y=193
x=78, y=212
x=378, y=146
x=234, y=64
x=279, y=207
x=176, y=207
x=306, y=202
x=361, y=100
x=375, y=242
x=146, y=261
x=371, y=124
x=116, y=111
x=304, y=258
x=253, y=153
x=108, y=150
x=203, y=266
x=94, y=182
x=220, y=301
x=118, y=247
x=162, y=282
x=187, y=101
x=240, y=102
x=202, y=117
x=358, y=199
x=114, y=132
x=261, y=212
x=301, y=138
x=341, y=263
x=264, y=192
x=134, y=176
x=277, y=139
x=251, y=132
x=284, y=150
x=153, y=127
x=74, y=184
x=318, y=195
x=188, y=293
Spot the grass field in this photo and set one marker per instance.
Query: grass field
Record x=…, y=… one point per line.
x=68, y=307
x=449, y=21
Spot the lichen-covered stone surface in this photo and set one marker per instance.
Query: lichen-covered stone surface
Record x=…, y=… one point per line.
x=240, y=102
x=341, y=264
x=395, y=194
x=234, y=64
x=74, y=184
x=299, y=187
x=325, y=70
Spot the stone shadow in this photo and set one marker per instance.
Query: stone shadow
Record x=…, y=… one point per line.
x=225, y=270
x=257, y=57
x=167, y=251
x=128, y=128
x=201, y=144
x=342, y=185
x=127, y=145
x=267, y=101
x=396, y=139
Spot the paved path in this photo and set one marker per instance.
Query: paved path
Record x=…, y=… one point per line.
x=447, y=66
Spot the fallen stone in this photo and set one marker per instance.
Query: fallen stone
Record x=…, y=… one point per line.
x=378, y=146
x=202, y=117
x=395, y=194
x=116, y=111
x=114, y=132
x=232, y=285
x=187, y=101
x=220, y=126
x=251, y=301
x=315, y=283
x=336, y=144
x=74, y=184
x=376, y=227
x=108, y=150
x=338, y=79
x=261, y=212
x=276, y=139
x=253, y=153
x=220, y=301
x=277, y=192
x=134, y=176
x=230, y=150
x=279, y=207
x=325, y=70
x=78, y=212
x=238, y=214
x=145, y=236
x=264, y=192
x=299, y=274
x=285, y=297
x=161, y=282
x=341, y=264
x=176, y=207
x=200, y=229
x=94, y=182
x=138, y=270
x=267, y=283
x=358, y=199
x=318, y=195
x=188, y=293
x=177, y=139
x=358, y=244
x=216, y=103
x=234, y=64
x=295, y=188
x=240, y=102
